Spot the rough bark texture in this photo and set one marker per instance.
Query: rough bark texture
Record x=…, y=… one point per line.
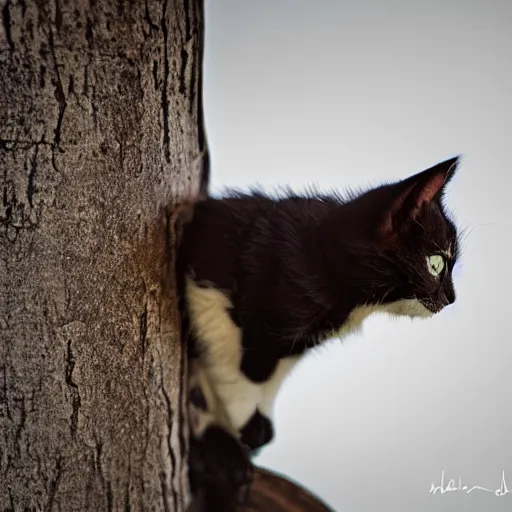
x=100, y=132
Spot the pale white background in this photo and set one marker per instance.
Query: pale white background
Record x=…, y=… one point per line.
x=341, y=93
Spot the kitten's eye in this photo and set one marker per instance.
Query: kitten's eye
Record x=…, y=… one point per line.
x=435, y=264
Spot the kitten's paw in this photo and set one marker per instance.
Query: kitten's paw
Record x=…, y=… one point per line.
x=220, y=469
x=257, y=432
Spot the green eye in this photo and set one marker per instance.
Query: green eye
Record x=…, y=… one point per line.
x=435, y=264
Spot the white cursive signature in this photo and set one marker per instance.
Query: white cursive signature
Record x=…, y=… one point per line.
x=452, y=487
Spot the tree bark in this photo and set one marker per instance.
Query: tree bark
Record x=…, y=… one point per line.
x=101, y=132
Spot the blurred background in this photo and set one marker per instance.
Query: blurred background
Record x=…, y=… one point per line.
x=345, y=93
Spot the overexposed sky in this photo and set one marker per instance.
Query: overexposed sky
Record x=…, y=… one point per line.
x=344, y=93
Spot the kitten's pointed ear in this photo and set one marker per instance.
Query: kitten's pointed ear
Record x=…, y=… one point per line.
x=412, y=193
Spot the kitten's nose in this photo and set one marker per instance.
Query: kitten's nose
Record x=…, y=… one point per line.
x=449, y=294
x=448, y=298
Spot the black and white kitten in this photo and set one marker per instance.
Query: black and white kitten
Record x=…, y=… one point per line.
x=265, y=279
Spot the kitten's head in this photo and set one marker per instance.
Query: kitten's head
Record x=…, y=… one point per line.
x=415, y=241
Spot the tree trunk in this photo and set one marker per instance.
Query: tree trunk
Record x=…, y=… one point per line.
x=101, y=131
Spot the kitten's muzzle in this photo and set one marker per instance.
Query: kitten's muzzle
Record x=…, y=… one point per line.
x=435, y=306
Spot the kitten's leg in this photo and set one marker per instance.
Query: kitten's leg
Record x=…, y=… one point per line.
x=257, y=432
x=220, y=350
x=220, y=468
x=240, y=366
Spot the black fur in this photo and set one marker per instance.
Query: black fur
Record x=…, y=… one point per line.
x=294, y=267
x=197, y=398
x=220, y=470
x=257, y=432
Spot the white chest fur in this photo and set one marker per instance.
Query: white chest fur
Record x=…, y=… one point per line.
x=220, y=347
